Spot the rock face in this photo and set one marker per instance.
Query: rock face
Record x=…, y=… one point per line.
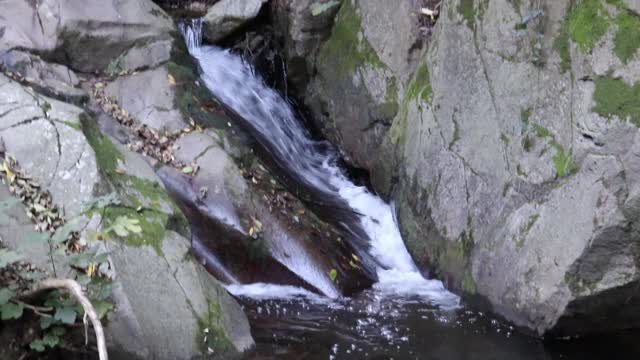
x=166, y=305
x=226, y=16
x=87, y=35
x=53, y=80
x=59, y=146
x=510, y=145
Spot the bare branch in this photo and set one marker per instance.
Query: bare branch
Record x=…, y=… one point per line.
x=76, y=290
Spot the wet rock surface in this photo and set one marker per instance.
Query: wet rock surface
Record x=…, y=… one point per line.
x=227, y=16
x=512, y=179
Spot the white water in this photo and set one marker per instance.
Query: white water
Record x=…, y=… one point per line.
x=235, y=83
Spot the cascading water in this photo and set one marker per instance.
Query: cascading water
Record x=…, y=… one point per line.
x=235, y=83
x=403, y=316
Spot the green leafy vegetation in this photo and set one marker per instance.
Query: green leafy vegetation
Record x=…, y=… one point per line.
x=614, y=97
x=588, y=21
x=563, y=161
x=59, y=310
x=627, y=39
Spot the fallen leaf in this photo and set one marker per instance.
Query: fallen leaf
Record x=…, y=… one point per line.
x=187, y=169
x=333, y=274
x=171, y=79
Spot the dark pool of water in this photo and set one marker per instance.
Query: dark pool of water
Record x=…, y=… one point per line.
x=376, y=327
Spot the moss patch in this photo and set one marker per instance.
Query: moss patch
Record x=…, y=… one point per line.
x=563, y=160
x=152, y=223
x=193, y=99
x=614, y=97
x=528, y=143
x=627, y=39
x=347, y=49
x=107, y=154
x=420, y=85
x=420, y=89
x=588, y=21
x=561, y=44
x=466, y=9
x=541, y=131
x=212, y=337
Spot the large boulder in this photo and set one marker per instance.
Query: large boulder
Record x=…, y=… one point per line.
x=227, y=16
x=88, y=35
x=304, y=25
x=60, y=146
x=511, y=153
x=54, y=80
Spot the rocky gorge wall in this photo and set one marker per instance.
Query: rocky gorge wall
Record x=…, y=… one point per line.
x=61, y=130
x=506, y=137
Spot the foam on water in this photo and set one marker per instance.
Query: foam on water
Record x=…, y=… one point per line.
x=234, y=82
x=262, y=291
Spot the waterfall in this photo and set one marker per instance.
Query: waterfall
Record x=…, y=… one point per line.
x=236, y=84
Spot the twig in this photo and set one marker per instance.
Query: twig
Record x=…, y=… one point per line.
x=76, y=290
x=38, y=310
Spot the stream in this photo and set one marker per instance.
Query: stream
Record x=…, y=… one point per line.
x=403, y=315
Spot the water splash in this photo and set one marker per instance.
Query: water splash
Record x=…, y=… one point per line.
x=235, y=83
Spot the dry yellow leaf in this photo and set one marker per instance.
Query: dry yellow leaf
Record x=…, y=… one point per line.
x=172, y=80
x=7, y=170
x=91, y=270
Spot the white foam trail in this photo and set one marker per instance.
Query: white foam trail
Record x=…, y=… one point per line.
x=262, y=291
x=236, y=84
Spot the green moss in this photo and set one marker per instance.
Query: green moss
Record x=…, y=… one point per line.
x=563, y=161
x=528, y=143
x=525, y=114
x=107, y=154
x=627, y=39
x=588, y=21
x=614, y=97
x=541, y=131
x=211, y=334
x=466, y=9
x=532, y=221
x=346, y=49
x=456, y=133
x=195, y=101
x=468, y=284
x=561, y=44
x=419, y=88
x=152, y=223
x=420, y=85
x=390, y=107
x=517, y=4
x=504, y=138
x=74, y=125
